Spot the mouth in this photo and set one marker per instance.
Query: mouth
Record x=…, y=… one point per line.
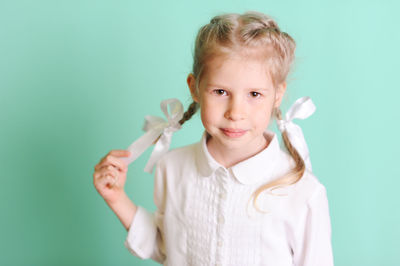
x=233, y=133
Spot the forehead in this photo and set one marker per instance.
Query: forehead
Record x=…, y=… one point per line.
x=237, y=71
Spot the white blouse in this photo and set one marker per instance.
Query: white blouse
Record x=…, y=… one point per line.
x=204, y=216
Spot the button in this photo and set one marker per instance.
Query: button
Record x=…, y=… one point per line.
x=222, y=172
x=222, y=195
x=221, y=219
x=220, y=243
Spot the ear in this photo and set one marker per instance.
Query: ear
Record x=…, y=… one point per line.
x=280, y=91
x=191, y=81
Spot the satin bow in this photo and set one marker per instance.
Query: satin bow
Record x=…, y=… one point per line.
x=159, y=130
x=301, y=109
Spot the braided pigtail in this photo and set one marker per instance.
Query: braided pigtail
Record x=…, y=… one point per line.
x=290, y=178
x=192, y=109
x=298, y=171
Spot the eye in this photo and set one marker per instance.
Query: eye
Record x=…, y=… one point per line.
x=255, y=94
x=220, y=92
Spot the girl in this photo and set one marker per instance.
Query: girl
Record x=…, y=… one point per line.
x=214, y=198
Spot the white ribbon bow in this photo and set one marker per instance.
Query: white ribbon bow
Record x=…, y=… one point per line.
x=156, y=127
x=301, y=109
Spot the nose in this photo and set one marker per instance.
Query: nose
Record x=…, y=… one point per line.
x=235, y=110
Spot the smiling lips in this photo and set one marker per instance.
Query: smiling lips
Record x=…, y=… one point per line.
x=233, y=133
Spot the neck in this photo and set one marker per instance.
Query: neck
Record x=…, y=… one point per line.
x=228, y=157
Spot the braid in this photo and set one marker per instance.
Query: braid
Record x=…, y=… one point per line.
x=257, y=25
x=290, y=178
x=300, y=167
x=189, y=112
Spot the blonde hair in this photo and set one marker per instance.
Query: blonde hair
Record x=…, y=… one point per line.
x=230, y=33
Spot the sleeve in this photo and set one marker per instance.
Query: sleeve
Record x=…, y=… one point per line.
x=315, y=247
x=145, y=235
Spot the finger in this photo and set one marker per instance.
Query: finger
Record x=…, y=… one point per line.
x=104, y=181
x=120, y=153
x=106, y=178
x=100, y=180
x=111, y=160
x=96, y=176
x=108, y=170
x=111, y=169
x=113, y=180
x=115, y=153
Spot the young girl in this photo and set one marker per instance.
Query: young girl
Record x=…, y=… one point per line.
x=233, y=198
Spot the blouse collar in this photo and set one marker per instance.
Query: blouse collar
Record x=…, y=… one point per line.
x=250, y=171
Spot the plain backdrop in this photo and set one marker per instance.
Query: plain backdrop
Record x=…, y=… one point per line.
x=78, y=77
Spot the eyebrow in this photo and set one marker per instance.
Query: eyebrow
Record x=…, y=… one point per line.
x=225, y=88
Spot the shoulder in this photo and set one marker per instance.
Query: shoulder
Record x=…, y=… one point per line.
x=308, y=194
x=299, y=197
x=306, y=191
x=307, y=187
x=310, y=187
x=175, y=169
x=180, y=153
x=178, y=157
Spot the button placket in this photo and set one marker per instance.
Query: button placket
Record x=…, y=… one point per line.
x=222, y=175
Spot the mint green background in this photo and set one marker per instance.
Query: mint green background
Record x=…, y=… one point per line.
x=77, y=78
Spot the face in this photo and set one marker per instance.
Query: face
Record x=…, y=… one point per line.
x=236, y=98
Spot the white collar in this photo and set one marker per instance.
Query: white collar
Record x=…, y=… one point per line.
x=250, y=171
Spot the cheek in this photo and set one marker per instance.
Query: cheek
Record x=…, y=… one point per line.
x=208, y=108
x=210, y=113
x=263, y=121
x=263, y=116
x=203, y=116
x=208, y=120
x=207, y=114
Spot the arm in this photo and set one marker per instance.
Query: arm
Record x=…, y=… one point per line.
x=143, y=234
x=144, y=238
x=125, y=210
x=109, y=180
x=314, y=246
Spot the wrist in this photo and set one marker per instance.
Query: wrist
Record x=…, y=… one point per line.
x=118, y=199
x=124, y=208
